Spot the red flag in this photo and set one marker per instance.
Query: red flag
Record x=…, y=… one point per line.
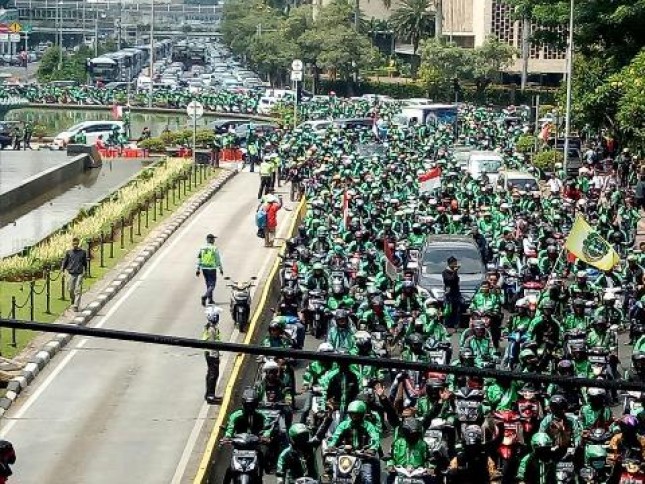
x=430, y=180
x=571, y=258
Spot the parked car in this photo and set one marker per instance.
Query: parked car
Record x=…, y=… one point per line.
x=92, y=130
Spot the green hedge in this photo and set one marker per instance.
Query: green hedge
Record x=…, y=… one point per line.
x=495, y=95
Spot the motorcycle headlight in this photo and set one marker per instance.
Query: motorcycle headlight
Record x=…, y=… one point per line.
x=242, y=464
x=345, y=464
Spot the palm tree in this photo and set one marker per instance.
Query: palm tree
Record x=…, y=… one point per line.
x=413, y=21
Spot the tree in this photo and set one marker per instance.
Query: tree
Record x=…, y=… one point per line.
x=441, y=63
x=489, y=60
x=343, y=52
x=631, y=105
x=413, y=21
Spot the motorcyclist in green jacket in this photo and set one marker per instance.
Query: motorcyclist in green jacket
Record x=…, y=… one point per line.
x=299, y=458
x=538, y=466
x=576, y=319
x=409, y=450
x=429, y=326
x=341, y=332
x=359, y=434
x=480, y=343
x=486, y=300
x=595, y=413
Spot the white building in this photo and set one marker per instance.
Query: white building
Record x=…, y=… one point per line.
x=469, y=22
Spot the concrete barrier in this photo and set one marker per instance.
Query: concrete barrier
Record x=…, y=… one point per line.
x=39, y=183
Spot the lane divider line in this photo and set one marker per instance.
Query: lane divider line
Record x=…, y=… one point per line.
x=204, y=466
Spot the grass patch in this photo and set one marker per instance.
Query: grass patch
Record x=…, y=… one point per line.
x=22, y=300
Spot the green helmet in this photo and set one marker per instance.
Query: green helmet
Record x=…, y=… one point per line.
x=541, y=439
x=594, y=451
x=297, y=431
x=357, y=407
x=318, y=266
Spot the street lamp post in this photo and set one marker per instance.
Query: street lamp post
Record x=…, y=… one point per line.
x=152, y=48
x=567, y=119
x=60, y=34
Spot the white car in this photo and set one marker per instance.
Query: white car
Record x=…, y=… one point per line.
x=92, y=130
x=488, y=163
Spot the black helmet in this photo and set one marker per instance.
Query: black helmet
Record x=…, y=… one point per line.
x=250, y=399
x=415, y=341
x=558, y=403
x=472, y=435
x=565, y=367
x=411, y=429
x=548, y=304
x=578, y=303
x=341, y=314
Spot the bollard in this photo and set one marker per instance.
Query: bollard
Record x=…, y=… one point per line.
x=174, y=188
x=32, y=295
x=62, y=286
x=131, y=232
x=112, y=240
x=161, y=204
x=154, y=208
x=89, y=258
x=102, y=252
x=122, y=235
x=138, y=222
x=167, y=193
x=14, y=343
x=147, y=207
x=48, y=294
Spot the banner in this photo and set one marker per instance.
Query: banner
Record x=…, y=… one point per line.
x=588, y=246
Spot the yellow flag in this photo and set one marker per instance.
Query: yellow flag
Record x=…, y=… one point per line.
x=588, y=246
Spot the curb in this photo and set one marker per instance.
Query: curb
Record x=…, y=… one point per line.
x=36, y=364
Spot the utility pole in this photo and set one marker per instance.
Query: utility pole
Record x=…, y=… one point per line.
x=152, y=48
x=96, y=35
x=59, y=4
x=567, y=119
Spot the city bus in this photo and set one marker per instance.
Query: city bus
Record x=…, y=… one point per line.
x=427, y=114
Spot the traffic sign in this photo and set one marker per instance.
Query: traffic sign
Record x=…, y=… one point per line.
x=4, y=28
x=195, y=109
x=15, y=27
x=296, y=65
x=27, y=28
x=14, y=37
x=4, y=37
x=296, y=76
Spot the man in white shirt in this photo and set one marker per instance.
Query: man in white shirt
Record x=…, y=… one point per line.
x=555, y=185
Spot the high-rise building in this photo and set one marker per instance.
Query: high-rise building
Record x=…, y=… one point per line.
x=469, y=23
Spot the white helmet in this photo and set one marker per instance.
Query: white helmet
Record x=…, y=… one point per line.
x=212, y=314
x=609, y=297
x=270, y=365
x=325, y=348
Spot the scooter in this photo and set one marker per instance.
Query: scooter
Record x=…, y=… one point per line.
x=345, y=464
x=509, y=448
x=404, y=475
x=240, y=304
x=317, y=303
x=245, y=464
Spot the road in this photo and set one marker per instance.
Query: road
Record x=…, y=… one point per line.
x=22, y=73
x=109, y=411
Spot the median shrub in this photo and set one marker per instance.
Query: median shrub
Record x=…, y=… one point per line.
x=546, y=160
x=155, y=145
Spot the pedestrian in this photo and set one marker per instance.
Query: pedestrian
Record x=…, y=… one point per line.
x=7, y=459
x=75, y=263
x=26, y=138
x=266, y=168
x=208, y=261
x=639, y=192
x=271, y=208
x=555, y=185
x=211, y=333
x=452, y=293
x=16, y=137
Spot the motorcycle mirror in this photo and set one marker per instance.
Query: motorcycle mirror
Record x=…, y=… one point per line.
x=254, y=278
x=227, y=278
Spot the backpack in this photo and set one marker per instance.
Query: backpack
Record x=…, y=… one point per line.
x=261, y=218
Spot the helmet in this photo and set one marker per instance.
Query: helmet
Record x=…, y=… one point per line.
x=526, y=354
x=250, y=399
x=541, y=440
x=363, y=341
x=411, y=429
x=212, y=314
x=472, y=435
x=275, y=324
x=270, y=366
x=609, y=297
x=299, y=434
x=565, y=367
x=628, y=423
x=521, y=303
x=638, y=359
x=558, y=402
x=578, y=303
x=357, y=407
x=596, y=393
x=415, y=340
x=317, y=266
x=325, y=348
x=466, y=354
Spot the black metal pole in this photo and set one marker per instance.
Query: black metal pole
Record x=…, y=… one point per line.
x=122, y=235
x=89, y=258
x=32, y=302
x=112, y=240
x=48, y=292
x=102, y=251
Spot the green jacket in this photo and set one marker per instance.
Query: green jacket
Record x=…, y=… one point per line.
x=573, y=321
x=293, y=464
x=208, y=257
x=363, y=436
x=534, y=471
x=341, y=339
x=239, y=424
x=404, y=454
x=486, y=302
x=590, y=418
x=314, y=373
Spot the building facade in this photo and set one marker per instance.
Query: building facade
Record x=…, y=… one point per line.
x=468, y=23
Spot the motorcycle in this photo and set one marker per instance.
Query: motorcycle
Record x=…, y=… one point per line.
x=632, y=472
x=438, y=352
x=404, y=475
x=565, y=472
x=510, y=288
x=240, y=303
x=244, y=467
x=468, y=402
x=318, y=408
x=316, y=309
x=599, y=361
x=510, y=445
x=573, y=339
x=531, y=290
x=345, y=464
x=529, y=408
x=633, y=402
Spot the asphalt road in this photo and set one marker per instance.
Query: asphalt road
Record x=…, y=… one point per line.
x=109, y=411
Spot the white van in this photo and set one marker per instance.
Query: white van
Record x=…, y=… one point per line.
x=487, y=163
x=92, y=130
x=266, y=104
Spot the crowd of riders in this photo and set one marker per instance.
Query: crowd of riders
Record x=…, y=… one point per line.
x=350, y=285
